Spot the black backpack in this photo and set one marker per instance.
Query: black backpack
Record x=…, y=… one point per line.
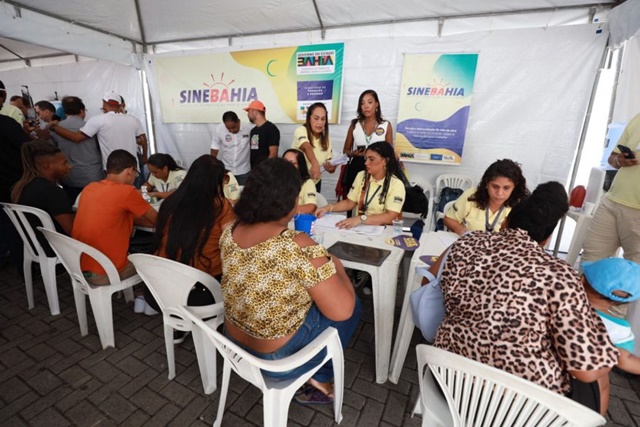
x=447, y=194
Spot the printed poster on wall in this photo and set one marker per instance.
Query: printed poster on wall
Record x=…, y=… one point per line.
x=200, y=88
x=434, y=106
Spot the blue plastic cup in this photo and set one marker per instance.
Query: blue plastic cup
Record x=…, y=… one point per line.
x=304, y=222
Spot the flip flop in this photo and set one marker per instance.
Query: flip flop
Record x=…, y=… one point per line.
x=304, y=389
x=313, y=396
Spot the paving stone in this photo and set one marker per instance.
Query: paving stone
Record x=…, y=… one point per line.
x=85, y=414
x=45, y=402
x=104, y=371
x=141, y=380
x=156, y=360
x=50, y=418
x=131, y=366
x=148, y=400
x=12, y=357
x=44, y=382
x=124, y=351
x=14, y=422
x=373, y=391
x=41, y=352
x=395, y=408
x=246, y=401
x=191, y=413
x=163, y=416
x=371, y=414
x=117, y=408
x=618, y=414
x=12, y=389
x=177, y=393
x=70, y=361
x=109, y=389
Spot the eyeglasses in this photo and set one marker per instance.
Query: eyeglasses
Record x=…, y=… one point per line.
x=136, y=171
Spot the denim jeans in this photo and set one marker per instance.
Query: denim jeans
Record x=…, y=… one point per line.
x=314, y=324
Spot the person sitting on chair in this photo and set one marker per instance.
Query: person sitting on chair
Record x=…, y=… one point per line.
x=307, y=199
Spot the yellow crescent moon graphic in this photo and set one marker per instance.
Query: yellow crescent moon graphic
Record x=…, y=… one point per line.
x=417, y=106
x=269, y=71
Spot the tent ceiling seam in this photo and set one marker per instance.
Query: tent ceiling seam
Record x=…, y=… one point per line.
x=322, y=29
x=608, y=5
x=140, y=23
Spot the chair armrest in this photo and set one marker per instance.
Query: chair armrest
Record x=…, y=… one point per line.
x=206, y=311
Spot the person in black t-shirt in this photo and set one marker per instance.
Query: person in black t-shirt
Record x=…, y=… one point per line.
x=44, y=164
x=264, y=137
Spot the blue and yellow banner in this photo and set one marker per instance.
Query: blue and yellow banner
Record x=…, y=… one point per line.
x=200, y=88
x=434, y=106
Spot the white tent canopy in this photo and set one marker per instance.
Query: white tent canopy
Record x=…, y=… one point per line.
x=538, y=61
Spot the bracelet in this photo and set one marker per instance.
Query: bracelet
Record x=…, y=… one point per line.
x=330, y=208
x=618, y=162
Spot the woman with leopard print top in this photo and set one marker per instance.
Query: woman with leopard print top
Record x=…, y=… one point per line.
x=511, y=305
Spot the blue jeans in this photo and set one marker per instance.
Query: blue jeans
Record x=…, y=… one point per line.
x=314, y=324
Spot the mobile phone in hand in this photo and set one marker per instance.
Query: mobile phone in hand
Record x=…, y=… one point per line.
x=360, y=148
x=628, y=154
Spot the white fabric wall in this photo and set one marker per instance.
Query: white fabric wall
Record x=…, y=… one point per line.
x=88, y=80
x=627, y=103
x=531, y=93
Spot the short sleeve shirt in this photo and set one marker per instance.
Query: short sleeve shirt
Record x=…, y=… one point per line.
x=14, y=112
x=264, y=287
x=231, y=189
x=300, y=137
x=393, y=201
x=308, y=193
x=114, y=131
x=511, y=305
x=104, y=220
x=261, y=138
x=233, y=148
x=467, y=213
x=173, y=181
x=625, y=188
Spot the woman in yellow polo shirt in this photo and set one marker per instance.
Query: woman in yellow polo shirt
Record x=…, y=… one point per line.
x=307, y=200
x=313, y=140
x=484, y=208
x=378, y=191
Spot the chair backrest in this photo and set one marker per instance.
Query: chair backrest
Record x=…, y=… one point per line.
x=18, y=216
x=322, y=201
x=170, y=282
x=70, y=251
x=452, y=180
x=478, y=394
x=242, y=362
x=595, y=185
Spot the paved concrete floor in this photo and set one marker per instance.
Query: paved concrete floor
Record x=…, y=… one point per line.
x=51, y=376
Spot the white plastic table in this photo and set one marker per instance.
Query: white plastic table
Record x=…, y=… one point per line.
x=384, y=281
x=432, y=243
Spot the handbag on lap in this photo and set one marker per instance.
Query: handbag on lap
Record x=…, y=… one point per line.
x=427, y=304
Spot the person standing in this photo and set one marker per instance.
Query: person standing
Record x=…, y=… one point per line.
x=10, y=110
x=313, y=140
x=230, y=144
x=264, y=137
x=84, y=156
x=368, y=127
x=113, y=129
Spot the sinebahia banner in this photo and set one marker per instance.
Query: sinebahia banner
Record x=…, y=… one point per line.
x=434, y=106
x=200, y=88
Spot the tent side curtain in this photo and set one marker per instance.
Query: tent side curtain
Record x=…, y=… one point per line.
x=624, y=21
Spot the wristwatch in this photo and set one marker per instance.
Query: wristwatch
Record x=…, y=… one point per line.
x=363, y=219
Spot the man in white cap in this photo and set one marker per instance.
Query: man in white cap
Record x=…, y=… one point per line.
x=113, y=129
x=264, y=138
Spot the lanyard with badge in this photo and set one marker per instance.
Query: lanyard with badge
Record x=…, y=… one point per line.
x=490, y=227
x=365, y=200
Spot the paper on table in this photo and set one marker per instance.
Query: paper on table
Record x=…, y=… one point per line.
x=447, y=239
x=330, y=221
x=342, y=160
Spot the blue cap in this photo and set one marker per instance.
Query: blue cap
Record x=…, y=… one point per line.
x=614, y=274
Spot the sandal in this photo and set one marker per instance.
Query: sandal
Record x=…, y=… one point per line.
x=312, y=396
x=304, y=389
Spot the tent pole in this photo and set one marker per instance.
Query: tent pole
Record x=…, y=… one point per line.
x=583, y=137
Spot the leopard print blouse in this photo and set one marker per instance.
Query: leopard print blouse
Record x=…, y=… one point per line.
x=264, y=287
x=511, y=305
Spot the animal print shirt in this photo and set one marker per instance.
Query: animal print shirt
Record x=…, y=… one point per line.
x=511, y=305
x=264, y=287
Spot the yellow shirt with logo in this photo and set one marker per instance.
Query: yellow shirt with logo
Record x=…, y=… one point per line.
x=393, y=201
x=625, y=189
x=473, y=218
x=308, y=193
x=231, y=189
x=300, y=137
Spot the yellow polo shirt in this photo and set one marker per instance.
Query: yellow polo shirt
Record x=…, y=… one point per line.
x=468, y=214
x=300, y=137
x=394, y=199
x=308, y=193
x=626, y=185
x=231, y=189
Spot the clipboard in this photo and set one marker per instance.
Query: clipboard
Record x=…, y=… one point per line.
x=359, y=253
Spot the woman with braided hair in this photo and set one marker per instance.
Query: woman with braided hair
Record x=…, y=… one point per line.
x=44, y=165
x=378, y=192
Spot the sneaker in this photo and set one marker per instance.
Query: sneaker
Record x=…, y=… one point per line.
x=148, y=310
x=179, y=336
x=367, y=291
x=139, y=304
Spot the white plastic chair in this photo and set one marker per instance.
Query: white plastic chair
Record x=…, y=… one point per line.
x=475, y=394
x=441, y=215
x=33, y=252
x=321, y=200
x=69, y=251
x=277, y=394
x=452, y=180
x=170, y=282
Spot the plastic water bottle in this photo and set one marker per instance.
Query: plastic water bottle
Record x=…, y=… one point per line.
x=145, y=195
